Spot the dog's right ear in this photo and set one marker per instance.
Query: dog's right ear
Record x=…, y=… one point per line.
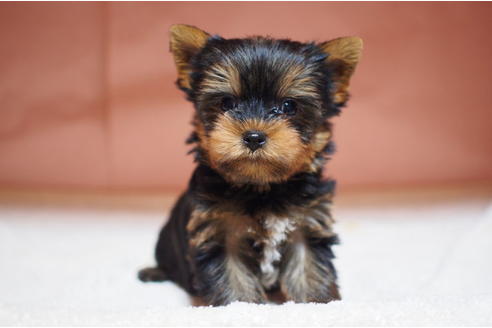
x=343, y=55
x=186, y=41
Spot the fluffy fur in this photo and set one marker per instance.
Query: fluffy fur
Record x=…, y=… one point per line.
x=255, y=224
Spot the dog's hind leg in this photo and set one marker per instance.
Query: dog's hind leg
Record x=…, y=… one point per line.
x=171, y=249
x=152, y=274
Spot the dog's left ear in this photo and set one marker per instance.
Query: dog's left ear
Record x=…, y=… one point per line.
x=186, y=42
x=343, y=56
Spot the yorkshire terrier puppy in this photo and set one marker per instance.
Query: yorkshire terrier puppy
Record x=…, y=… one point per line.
x=255, y=221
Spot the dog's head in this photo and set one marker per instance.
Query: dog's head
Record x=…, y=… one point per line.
x=262, y=104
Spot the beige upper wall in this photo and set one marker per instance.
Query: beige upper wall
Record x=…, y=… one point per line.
x=87, y=95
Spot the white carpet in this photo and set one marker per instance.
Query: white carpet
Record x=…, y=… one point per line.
x=399, y=265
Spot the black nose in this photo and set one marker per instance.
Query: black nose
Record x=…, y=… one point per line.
x=254, y=139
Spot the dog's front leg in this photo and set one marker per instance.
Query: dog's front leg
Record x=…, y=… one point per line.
x=220, y=269
x=307, y=272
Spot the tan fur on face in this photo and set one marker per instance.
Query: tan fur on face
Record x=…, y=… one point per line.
x=318, y=143
x=281, y=156
x=298, y=81
x=222, y=77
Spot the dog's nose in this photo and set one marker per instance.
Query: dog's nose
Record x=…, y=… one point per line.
x=254, y=139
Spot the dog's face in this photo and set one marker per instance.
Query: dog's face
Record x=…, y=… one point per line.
x=262, y=104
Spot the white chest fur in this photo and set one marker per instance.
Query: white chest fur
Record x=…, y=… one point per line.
x=277, y=230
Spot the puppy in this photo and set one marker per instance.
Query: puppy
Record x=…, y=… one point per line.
x=254, y=224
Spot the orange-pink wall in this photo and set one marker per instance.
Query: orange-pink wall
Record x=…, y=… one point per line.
x=87, y=96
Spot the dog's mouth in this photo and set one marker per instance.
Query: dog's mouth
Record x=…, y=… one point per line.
x=254, y=170
x=259, y=166
x=255, y=151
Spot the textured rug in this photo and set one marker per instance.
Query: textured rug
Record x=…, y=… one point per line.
x=407, y=264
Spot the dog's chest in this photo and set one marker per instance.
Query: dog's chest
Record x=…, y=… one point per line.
x=276, y=232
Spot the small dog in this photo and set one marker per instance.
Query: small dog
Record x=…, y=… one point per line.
x=255, y=224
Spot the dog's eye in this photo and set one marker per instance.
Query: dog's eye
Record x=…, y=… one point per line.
x=228, y=103
x=289, y=107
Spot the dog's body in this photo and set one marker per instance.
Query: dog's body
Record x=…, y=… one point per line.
x=255, y=220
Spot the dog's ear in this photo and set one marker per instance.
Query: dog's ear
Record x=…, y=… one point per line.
x=343, y=56
x=186, y=41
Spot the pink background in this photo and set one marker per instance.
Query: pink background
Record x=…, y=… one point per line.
x=87, y=95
